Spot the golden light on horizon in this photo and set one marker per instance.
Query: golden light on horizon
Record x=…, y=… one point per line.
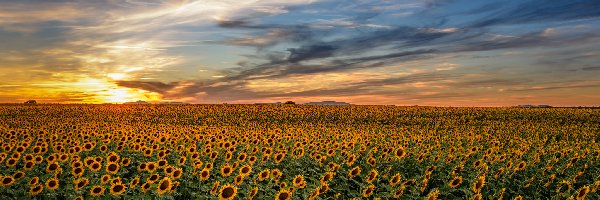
x=97, y=90
x=108, y=92
x=117, y=76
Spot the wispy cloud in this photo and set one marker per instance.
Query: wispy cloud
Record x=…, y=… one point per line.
x=399, y=51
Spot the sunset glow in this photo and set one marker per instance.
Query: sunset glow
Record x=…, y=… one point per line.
x=417, y=52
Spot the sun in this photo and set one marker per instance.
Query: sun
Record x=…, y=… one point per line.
x=119, y=95
x=117, y=76
x=106, y=91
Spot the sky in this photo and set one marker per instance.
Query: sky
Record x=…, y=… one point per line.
x=401, y=52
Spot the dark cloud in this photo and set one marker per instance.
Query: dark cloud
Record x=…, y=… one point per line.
x=591, y=68
x=151, y=86
x=311, y=52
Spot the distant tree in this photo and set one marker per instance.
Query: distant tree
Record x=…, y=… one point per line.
x=289, y=102
x=31, y=101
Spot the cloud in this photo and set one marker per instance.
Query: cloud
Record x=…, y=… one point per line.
x=283, y=44
x=148, y=85
x=572, y=85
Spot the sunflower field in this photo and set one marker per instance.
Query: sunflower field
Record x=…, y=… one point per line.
x=297, y=152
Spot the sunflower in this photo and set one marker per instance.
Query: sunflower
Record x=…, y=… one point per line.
x=326, y=177
x=228, y=156
x=368, y=191
x=80, y=183
x=148, y=152
x=142, y=167
x=205, y=174
x=283, y=185
x=18, y=175
x=78, y=171
x=175, y=185
x=477, y=163
x=238, y=179
x=333, y=166
x=479, y=184
x=52, y=167
x=38, y=159
x=214, y=188
x=372, y=161
x=88, y=161
x=227, y=192
x=499, y=172
x=502, y=191
x=152, y=178
x=284, y=194
x=299, y=181
x=52, y=184
x=198, y=164
x=433, y=195
x=125, y=162
x=7, y=180
x=252, y=159
x=395, y=179
x=399, y=153
x=477, y=196
x=95, y=166
x=279, y=157
x=275, y=174
x=226, y=170
x=518, y=197
x=245, y=170
x=354, y=172
x=97, y=191
x=182, y=160
x=372, y=175
x=208, y=166
x=214, y=155
x=78, y=198
x=583, y=192
x=242, y=157
x=115, y=181
x=113, y=157
x=29, y=165
x=323, y=188
x=146, y=187
x=164, y=186
x=177, y=173
x=134, y=182
x=112, y=167
x=350, y=159
x=264, y=174
x=521, y=166
x=36, y=189
x=34, y=181
x=455, y=182
x=253, y=193
x=117, y=189
x=104, y=179
x=51, y=158
x=151, y=166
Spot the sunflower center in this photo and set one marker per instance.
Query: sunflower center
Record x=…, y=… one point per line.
x=284, y=195
x=227, y=192
x=118, y=188
x=164, y=185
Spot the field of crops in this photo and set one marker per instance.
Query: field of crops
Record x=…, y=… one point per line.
x=297, y=152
